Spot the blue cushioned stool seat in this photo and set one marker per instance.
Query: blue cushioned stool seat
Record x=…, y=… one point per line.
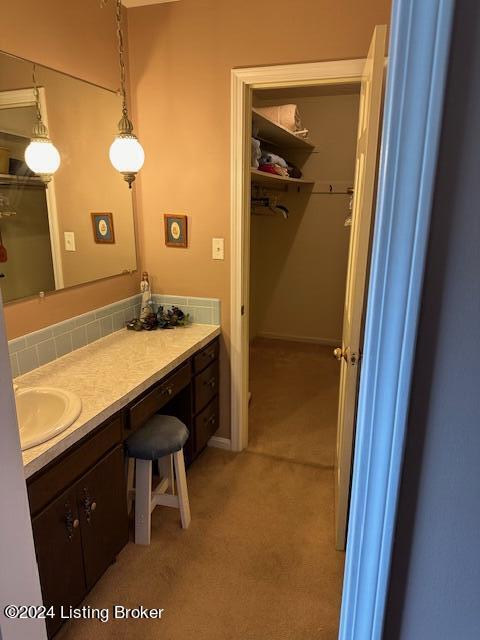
x=161, y=436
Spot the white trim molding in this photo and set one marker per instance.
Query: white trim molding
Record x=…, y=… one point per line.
x=243, y=82
x=418, y=61
x=217, y=442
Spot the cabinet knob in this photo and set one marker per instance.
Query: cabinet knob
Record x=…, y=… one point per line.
x=89, y=505
x=70, y=521
x=211, y=383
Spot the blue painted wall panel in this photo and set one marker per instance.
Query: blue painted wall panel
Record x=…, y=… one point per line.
x=435, y=579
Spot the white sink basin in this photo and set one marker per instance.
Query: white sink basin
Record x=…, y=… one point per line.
x=44, y=412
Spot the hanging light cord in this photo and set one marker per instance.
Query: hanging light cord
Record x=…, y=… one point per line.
x=39, y=129
x=125, y=126
x=121, y=57
x=36, y=92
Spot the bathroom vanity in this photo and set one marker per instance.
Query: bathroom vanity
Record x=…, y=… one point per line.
x=76, y=482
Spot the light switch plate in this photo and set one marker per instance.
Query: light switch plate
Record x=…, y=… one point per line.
x=69, y=241
x=218, y=251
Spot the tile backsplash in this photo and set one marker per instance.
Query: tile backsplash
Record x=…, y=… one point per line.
x=40, y=347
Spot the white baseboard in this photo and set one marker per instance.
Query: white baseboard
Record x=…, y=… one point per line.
x=220, y=443
x=328, y=342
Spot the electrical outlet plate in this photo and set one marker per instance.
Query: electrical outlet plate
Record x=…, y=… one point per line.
x=218, y=251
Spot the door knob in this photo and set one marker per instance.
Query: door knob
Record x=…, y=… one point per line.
x=339, y=353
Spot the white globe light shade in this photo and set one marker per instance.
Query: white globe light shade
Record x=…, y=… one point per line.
x=127, y=154
x=42, y=156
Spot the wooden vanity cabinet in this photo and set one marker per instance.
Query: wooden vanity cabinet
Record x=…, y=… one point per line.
x=79, y=533
x=58, y=547
x=103, y=520
x=78, y=501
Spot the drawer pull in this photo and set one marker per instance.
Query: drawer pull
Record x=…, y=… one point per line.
x=210, y=354
x=210, y=420
x=166, y=391
x=211, y=383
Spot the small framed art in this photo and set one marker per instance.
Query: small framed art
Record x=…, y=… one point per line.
x=103, y=231
x=175, y=230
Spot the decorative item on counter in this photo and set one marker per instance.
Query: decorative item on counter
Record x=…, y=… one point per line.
x=135, y=325
x=173, y=317
x=145, y=308
x=175, y=230
x=103, y=231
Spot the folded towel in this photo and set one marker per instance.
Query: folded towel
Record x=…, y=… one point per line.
x=286, y=115
x=273, y=168
x=256, y=153
x=272, y=158
x=294, y=172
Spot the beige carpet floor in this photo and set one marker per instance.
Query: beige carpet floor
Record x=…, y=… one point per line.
x=293, y=408
x=258, y=561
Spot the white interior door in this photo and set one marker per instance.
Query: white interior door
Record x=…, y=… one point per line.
x=349, y=353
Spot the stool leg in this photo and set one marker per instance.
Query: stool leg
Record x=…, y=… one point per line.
x=143, y=501
x=182, y=490
x=130, y=475
x=165, y=466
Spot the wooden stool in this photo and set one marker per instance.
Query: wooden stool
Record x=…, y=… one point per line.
x=162, y=438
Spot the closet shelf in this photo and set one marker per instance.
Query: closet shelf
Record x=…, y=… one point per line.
x=23, y=181
x=261, y=177
x=270, y=131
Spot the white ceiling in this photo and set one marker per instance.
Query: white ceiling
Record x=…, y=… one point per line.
x=143, y=3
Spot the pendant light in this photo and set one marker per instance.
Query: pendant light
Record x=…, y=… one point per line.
x=126, y=152
x=41, y=155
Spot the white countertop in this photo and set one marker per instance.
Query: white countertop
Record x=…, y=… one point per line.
x=108, y=374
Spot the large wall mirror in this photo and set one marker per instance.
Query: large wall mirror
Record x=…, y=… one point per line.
x=79, y=227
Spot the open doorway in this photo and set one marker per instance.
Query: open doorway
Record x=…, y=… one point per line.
x=299, y=239
x=288, y=265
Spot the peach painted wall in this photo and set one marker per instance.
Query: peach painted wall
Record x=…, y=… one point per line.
x=78, y=38
x=181, y=55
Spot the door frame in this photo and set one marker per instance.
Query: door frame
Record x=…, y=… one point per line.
x=418, y=63
x=243, y=82
x=19, y=579
x=26, y=98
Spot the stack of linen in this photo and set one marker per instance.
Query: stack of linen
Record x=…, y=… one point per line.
x=287, y=116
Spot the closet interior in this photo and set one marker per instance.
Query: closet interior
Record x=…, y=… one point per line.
x=302, y=176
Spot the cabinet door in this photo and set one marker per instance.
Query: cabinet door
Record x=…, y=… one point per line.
x=102, y=505
x=58, y=548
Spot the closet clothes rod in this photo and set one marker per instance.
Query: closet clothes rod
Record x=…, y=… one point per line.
x=333, y=188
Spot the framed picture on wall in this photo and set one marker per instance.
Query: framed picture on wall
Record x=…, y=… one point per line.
x=103, y=231
x=175, y=230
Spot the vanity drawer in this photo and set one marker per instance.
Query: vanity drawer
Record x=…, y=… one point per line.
x=206, y=386
x=205, y=357
x=206, y=423
x=45, y=486
x=158, y=397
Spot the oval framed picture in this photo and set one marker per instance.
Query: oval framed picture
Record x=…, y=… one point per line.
x=175, y=230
